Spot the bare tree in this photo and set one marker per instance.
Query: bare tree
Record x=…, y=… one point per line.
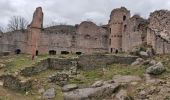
x=17, y=23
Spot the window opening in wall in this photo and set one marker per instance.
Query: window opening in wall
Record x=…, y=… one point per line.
x=73, y=37
x=110, y=41
x=124, y=18
x=116, y=51
x=125, y=26
x=36, y=53
x=65, y=52
x=78, y=53
x=17, y=51
x=52, y=52
x=111, y=50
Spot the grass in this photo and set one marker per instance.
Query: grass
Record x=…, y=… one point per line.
x=88, y=77
x=165, y=59
x=18, y=62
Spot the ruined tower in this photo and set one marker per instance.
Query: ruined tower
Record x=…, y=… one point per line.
x=116, y=26
x=34, y=32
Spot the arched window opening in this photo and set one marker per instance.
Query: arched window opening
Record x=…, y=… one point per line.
x=124, y=18
x=17, y=51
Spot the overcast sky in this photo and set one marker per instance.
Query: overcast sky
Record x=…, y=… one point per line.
x=75, y=11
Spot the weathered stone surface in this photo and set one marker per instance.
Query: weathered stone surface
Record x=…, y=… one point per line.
x=14, y=83
x=122, y=95
x=156, y=69
x=49, y=94
x=88, y=38
x=91, y=93
x=34, y=32
x=150, y=52
x=62, y=64
x=2, y=66
x=152, y=62
x=59, y=77
x=41, y=90
x=89, y=62
x=143, y=54
x=1, y=83
x=41, y=66
x=97, y=84
x=69, y=87
x=37, y=20
x=126, y=79
x=137, y=62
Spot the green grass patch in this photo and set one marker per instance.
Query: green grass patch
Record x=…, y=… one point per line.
x=88, y=77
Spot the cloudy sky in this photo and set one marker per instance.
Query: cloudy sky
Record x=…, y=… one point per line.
x=75, y=11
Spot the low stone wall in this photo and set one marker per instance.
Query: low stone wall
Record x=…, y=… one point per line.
x=84, y=62
x=91, y=62
x=14, y=83
x=41, y=66
x=61, y=64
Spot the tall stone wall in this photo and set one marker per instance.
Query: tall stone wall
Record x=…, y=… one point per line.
x=11, y=41
x=122, y=33
x=160, y=23
x=34, y=32
x=158, y=34
x=86, y=38
x=159, y=44
x=91, y=38
x=117, y=18
x=134, y=33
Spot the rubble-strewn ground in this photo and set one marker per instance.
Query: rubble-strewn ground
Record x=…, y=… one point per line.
x=148, y=88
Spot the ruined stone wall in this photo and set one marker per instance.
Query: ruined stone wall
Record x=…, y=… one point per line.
x=159, y=44
x=86, y=38
x=53, y=41
x=13, y=40
x=134, y=33
x=91, y=38
x=160, y=23
x=34, y=30
x=158, y=34
x=117, y=18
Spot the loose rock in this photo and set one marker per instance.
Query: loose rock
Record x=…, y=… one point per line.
x=69, y=87
x=97, y=84
x=156, y=69
x=49, y=94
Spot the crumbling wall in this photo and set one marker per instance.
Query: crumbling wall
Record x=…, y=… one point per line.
x=13, y=83
x=160, y=22
x=58, y=38
x=91, y=38
x=117, y=18
x=134, y=33
x=13, y=40
x=159, y=44
x=34, y=30
x=158, y=34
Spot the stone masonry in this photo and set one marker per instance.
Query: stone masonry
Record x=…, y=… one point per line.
x=121, y=34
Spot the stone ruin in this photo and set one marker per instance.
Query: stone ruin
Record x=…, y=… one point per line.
x=121, y=34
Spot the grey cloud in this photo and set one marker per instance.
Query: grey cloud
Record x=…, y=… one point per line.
x=75, y=11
